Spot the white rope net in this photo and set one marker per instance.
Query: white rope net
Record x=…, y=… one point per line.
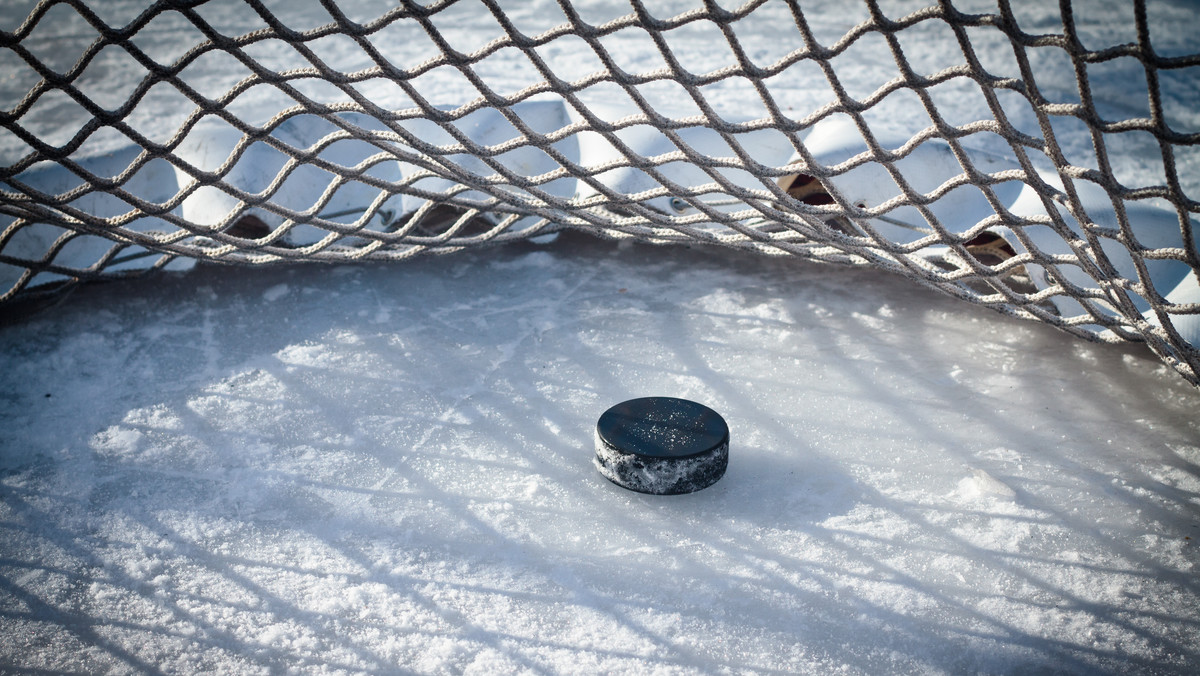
x=998, y=166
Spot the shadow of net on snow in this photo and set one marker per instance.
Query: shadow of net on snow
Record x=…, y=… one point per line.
x=369, y=468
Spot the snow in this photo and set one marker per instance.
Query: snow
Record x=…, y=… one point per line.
x=388, y=468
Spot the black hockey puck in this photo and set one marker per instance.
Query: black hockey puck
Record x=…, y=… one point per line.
x=662, y=445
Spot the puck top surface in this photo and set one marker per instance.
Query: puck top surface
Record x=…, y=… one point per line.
x=662, y=427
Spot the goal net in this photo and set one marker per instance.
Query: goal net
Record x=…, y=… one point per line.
x=1046, y=170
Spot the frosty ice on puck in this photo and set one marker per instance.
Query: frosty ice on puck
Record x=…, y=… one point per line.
x=662, y=445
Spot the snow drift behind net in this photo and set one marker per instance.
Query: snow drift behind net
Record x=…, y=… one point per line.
x=246, y=136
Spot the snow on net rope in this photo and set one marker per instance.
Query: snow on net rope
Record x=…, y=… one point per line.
x=989, y=208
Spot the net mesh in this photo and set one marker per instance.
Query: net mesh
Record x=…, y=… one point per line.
x=342, y=138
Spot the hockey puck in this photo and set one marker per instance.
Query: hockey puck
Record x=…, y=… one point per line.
x=662, y=445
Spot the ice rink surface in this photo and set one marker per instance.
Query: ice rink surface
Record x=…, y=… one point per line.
x=387, y=468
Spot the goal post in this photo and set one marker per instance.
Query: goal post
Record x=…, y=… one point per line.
x=955, y=145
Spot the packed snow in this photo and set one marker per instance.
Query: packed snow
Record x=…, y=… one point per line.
x=388, y=468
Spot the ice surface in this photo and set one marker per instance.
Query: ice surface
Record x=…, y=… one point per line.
x=388, y=468
x=378, y=467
